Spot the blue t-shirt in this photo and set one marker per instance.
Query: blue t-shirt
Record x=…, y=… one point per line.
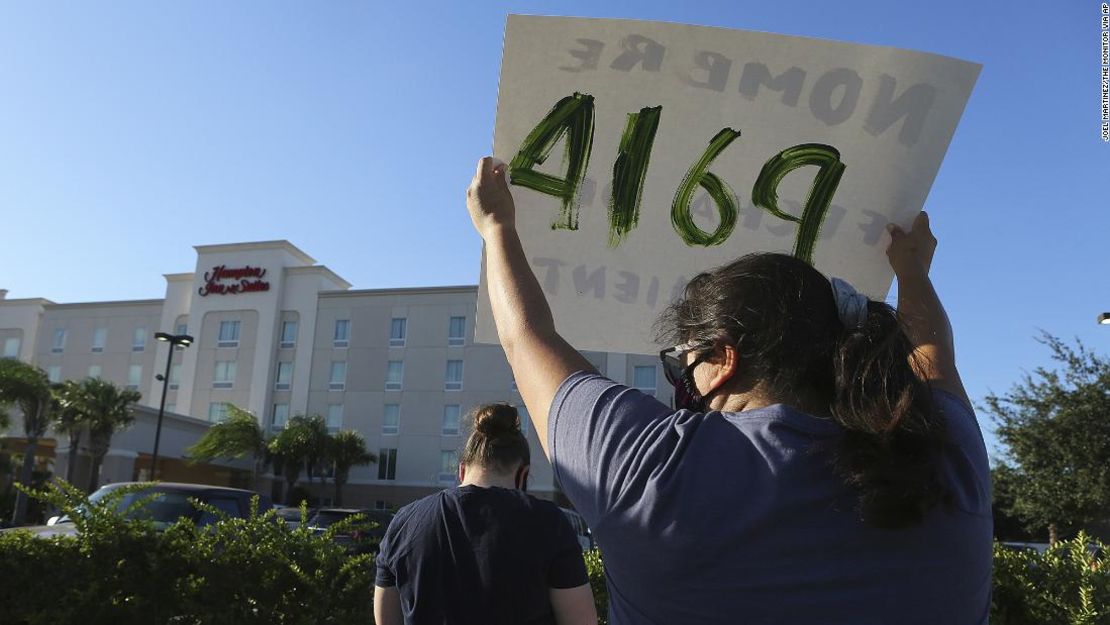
x=732, y=518
x=470, y=555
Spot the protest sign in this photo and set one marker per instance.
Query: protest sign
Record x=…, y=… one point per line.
x=642, y=153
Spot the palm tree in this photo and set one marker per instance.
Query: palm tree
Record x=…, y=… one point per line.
x=238, y=436
x=289, y=449
x=107, y=409
x=317, y=448
x=27, y=387
x=70, y=419
x=348, y=449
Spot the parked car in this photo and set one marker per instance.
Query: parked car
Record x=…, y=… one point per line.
x=292, y=516
x=585, y=536
x=364, y=536
x=172, y=503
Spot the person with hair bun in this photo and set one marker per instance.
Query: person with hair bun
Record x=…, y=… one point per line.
x=821, y=464
x=485, y=551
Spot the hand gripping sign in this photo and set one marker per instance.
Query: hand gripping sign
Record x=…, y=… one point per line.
x=642, y=153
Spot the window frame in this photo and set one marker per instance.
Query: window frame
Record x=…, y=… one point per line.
x=288, y=384
x=399, y=384
x=338, y=342
x=229, y=342
x=231, y=371
x=330, y=413
x=387, y=464
x=138, y=379
x=452, y=339
x=398, y=341
x=450, y=384
x=274, y=425
x=97, y=347
x=288, y=344
x=342, y=384
x=395, y=429
x=138, y=339
x=443, y=429
x=58, y=345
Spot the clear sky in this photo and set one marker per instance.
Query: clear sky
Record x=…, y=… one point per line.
x=131, y=131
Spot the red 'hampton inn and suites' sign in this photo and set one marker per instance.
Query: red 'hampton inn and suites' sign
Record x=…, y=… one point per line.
x=224, y=280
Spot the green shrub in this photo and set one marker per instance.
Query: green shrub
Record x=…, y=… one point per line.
x=596, y=570
x=1069, y=584
x=121, y=571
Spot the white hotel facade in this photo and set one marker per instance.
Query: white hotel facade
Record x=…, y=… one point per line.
x=279, y=335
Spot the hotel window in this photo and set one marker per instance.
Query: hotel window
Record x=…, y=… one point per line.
x=394, y=375
x=379, y=504
x=454, y=378
x=175, y=376
x=171, y=407
x=54, y=373
x=335, y=417
x=288, y=334
x=342, y=333
x=456, y=331
x=643, y=379
x=94, y=371
x=338, y=378
x=451, y=414
x=179, y=329
x=449, y=466
x=217, y=411
x=280, y=416
x=391, y=419
x=100, y=335
x=224, y=376
x=11, y=347
x=387, y=464
x=397, y=331
x=59, y=344
x=229, y=334
x=134, y=377
x=284, y=377
x=138, y=340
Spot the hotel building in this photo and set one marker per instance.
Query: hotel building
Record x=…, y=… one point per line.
x=279, y=335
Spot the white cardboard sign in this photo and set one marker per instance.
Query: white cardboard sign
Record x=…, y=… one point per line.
x=643, y=153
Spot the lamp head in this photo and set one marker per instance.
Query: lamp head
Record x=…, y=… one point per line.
x=184, y=339
x=163, y=336
x=1104, y=319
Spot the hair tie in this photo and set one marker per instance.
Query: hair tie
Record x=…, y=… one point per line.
x=851, y=305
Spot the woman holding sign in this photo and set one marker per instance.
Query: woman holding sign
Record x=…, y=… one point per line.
x=824, y=464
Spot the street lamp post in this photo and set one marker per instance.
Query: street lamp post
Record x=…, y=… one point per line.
x=174, y=340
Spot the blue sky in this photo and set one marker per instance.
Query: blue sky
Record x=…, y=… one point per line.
x=131, y=131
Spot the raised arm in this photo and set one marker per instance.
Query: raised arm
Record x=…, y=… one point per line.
x=911, y=255
x=539, y=357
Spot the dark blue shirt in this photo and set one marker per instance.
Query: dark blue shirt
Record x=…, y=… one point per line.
x=730, y=517
x=479, y=555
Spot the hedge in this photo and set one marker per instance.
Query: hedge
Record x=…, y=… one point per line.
x=1069, y=584
x=119, y=571
x=255, y=570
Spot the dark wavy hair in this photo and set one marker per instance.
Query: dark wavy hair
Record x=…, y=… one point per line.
x=781, y=316
x=496, y=441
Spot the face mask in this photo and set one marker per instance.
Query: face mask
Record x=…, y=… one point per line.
x=686, y=395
